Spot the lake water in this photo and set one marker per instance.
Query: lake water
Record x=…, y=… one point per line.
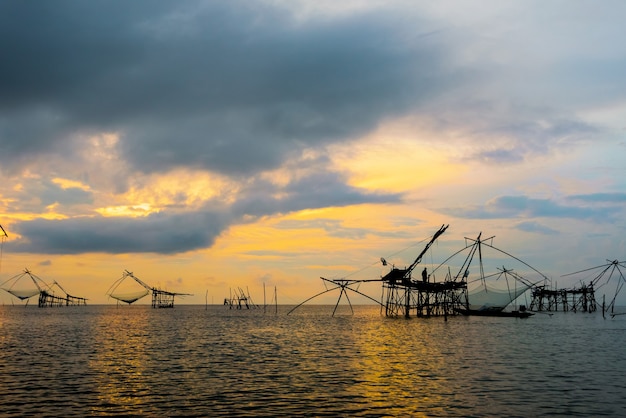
x=194, y=361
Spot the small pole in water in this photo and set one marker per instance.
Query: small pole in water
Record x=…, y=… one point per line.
x=275, y=301
x=206, y=300
x=264, y=303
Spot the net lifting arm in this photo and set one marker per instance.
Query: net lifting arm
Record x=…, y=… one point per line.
x=129, y=273
x=432, y=240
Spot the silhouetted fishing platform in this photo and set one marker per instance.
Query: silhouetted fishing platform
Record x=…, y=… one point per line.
x=406, y=296
x=160, y=298
x=551, y=300
x=582, y=298
x=47, y=295
x=238, y=299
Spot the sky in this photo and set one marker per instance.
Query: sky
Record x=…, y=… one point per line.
x=207, y=146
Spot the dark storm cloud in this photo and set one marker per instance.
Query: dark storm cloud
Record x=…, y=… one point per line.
x=233, y=87
x=65, y=196
x=157, y=233
x=318, y=190
x=240, y=87
x=170, y=233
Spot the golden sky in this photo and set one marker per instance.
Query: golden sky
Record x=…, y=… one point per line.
x=206, y=147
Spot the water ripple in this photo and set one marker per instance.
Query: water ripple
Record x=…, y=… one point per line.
x=103, y=360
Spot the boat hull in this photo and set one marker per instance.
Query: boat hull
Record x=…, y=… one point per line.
x=487, y=312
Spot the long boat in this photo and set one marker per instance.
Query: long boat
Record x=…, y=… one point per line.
x=521, y=313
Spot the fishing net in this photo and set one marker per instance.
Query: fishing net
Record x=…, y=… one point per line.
x=486, y=297
x=129, y=297
x=22, y=294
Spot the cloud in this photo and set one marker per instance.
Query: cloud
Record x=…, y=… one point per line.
x=229, y=88
x=66, y=196
x=239, y=88
x=171, y=232
x=525, y=207
x=599, y=197
x=35, y=194
x=336, y=228
x=156, y=233
x=536, y=227
x=515, y=138
x=332, y=227
x=110, y=93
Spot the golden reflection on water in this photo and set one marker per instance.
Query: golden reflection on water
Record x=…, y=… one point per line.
x=192, y=361
x=121, y=361
x=398, y=375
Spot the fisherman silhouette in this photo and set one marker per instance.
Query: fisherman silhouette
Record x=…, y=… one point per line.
x=424, y=275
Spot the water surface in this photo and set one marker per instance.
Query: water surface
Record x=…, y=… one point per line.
x=193, y=361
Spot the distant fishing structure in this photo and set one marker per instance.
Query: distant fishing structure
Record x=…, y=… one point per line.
x=238, y=299
x=160, y=298
x=583, y=298
x=344, y=285
x=3, y=238
x=47, y=295
x=274, y=300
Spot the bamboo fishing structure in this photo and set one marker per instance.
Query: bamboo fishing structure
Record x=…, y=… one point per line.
x=403, y=295
x=551, y=300
x=238, y=299
x=582, y=298
x=3, y=237
x=160, y=298
x=47, y=295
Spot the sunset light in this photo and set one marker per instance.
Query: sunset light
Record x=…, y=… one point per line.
x=298, y=140
x=313, y=208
